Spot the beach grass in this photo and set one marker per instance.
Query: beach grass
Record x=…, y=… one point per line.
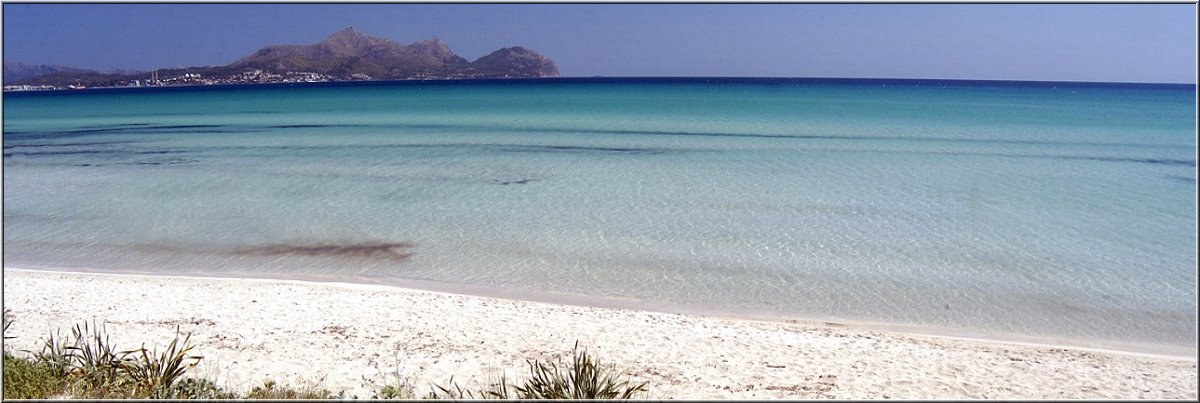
x=583, y=378
x=271, y=390
x=26, y=378
x=85, y=364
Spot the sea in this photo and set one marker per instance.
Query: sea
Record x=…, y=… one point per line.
x=1043, y=211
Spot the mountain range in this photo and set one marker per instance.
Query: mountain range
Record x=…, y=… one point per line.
x=15, y=71
x=345, y=55
x=349, y=52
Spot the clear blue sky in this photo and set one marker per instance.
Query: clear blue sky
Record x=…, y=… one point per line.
x=1072, y=42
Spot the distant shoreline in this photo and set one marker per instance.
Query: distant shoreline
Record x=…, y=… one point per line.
x=631, y=80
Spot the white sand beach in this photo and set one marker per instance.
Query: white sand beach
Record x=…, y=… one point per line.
x=354, y=338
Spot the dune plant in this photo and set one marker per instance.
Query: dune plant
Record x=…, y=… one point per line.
x=54, y=353
x=30, y=378
x=197, y=388
x=155, y=373
x=85, y=364
x=90, y=366
x=391, y=392
x=7, y=322
x=584, y=378
x=26, y=378
x=271, y=390
x=395, y=384
x=92, y=357
x=497, y=390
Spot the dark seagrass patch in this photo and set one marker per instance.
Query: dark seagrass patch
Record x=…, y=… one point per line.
x=397, y=251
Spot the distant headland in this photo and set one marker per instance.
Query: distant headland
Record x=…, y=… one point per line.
x=346, y=55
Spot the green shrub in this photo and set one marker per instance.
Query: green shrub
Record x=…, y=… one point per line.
x=88, y=365
x=192, y=388
x=394, y=392
x=270, y=390
x=29, y=379
x=395, y=384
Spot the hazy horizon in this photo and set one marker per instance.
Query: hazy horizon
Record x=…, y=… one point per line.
x=1119, y=43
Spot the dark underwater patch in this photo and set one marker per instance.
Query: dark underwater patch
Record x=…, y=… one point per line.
x=310, y=126
x=396, y=251
x=80, y=144
x=571, y=149
x=92, y=152
x=124, y=129
x=1181, y=178
x=781, y=136
x=166, y=161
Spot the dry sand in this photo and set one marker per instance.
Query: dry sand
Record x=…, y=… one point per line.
x=355, y=338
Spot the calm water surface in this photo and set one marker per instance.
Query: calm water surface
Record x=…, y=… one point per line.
x=1049, y=210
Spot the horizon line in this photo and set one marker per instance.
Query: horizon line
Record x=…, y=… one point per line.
x=887, y=78
x=663, y=79
x=669, y=76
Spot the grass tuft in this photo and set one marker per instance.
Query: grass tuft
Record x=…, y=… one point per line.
x=54, y=353
x=8, y=321
x=271, y=390
x=85, y=365
x=584, y=378
x=156, y=374
x=395, y=384
x=93, y=359
x=194, y=388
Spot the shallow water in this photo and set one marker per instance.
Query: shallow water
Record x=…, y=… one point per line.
x=1038, y=209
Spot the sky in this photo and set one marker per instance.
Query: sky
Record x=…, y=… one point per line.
x=1042, y=42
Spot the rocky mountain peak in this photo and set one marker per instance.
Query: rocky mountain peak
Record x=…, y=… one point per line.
x=432, y=47
x=518, y=61
x=351, y=41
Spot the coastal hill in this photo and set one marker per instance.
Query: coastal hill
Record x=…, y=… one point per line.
x=349, y=52
x=14, y=71
x=345, y=55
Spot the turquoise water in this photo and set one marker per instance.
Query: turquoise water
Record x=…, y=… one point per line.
x=1057, y=211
